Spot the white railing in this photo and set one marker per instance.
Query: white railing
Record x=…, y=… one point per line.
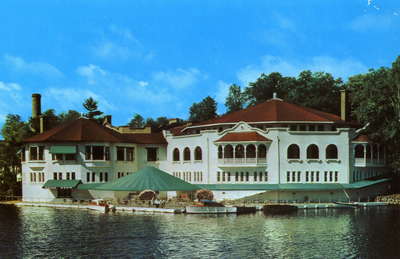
x=368, y=162
x=238, y=161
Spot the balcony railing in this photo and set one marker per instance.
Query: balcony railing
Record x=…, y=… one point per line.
x=250, y=161
x=368, y=162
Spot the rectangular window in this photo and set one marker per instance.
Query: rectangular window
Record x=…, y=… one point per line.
x=106, y=177
x=293, y=127
x=120, y=154
x=98, y=152
x=59, y=176
x=101, y=176
x=336, y=176
x=34, y=177
x=302, y=127
x=218, y=176
x=107, y=154
x=68, y=176
x=88, y=153
x=73, y=176
x=261, y=177
x=247, y=176
x=151, y=154
x=56, y=157
x=307, y=176
x=317, y=176
x=293, y=176
x=236, y=176
x=43, y=177
x=223, y=176
x=31, y=175
x=326, y=176
x=241, y=176
x=255, y=176
x=129, y=153
x=88, y=177
x=330, y=176
x=93, y=177
x=70, y=157
x=298, y=176
x=266, y=176
x=320, y=127
x=229, y=176
x=33, y=153
x=55, y=176
x=312, y=176
x=311, y=127
x=288, y=176
x=41, y=152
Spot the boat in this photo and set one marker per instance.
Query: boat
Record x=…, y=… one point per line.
x=209, y=207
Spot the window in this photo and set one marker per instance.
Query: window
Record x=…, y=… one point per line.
x=241, y=176
x=151, y=154
x=293, y=152
x=312, y=152
x=261, y=176
x=97, y=153
x=311, y=127
x=64, y=193
x=266, y=176
x=320, y=127
x=175, y=154
x=36, y=153
x=247, y=176
x=251, y=151
x=312, y=176
x=326, y=176
x=106, y=177
x=218, y=176
x=229, y=176
x=293, y=127
x=70, y=157
x=130, y=153
x=298, y=176
x=125, y=153
x=41, y=151
x=120, y=154
x=336, y=176
x=198, y=154
x=293, y=176
x=73, y=176
x=186, y=154
x=288, y=176
x=331, y=152
x=219, y=152
x=228, y=152
x=359, y=151
x=101, y=176
x=93, y=177
x=87, y=177
x=59, y=176
x=255, y=176
x=239, y=151
x=262, y=151
x=330, y=176
x=223, y=176
x=307, y=176
x=22, y=154
x=302, y=127
x=55, y=176
x=68, y=176
x=317, y=176
x=236, y=176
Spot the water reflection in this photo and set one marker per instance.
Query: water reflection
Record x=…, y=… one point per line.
x=44, y=232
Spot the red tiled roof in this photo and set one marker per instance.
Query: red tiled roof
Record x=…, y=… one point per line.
x=242, y=136
x=85, y=130
x=273, y=110
x=361, y=138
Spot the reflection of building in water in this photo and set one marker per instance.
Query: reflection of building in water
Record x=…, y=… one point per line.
x=285, y=151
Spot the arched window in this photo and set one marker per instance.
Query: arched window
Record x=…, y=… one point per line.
x=359, y=151
x=251, y=151
x=262, y=151
x=293, y=152
x=228, y=152
x=175, y=155
x=186, y=154
x=312, y=152
x=239, y=151
x=331, y=152
x=197, y=154
x=220, y=152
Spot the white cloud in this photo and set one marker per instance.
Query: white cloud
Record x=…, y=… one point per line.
x=9, y=86
x=143, y=83
x=179, y=78
x=18, y=64
x=91, y=72
x=368, y=22
x=337, y=67
x=222, y=91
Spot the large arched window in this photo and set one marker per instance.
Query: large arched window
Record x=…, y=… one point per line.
x=262, y=151
x=293, y=152
x=251, y=151
x=197, y=154
x=228, y=152
x=239, y=151
x=312, y=152
x=186, y=154
x=359, y=151
x=175, y=155
x=331, y=152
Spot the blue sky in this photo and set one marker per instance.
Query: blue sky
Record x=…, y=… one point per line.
x=156, y=58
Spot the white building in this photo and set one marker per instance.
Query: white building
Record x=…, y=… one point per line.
x=278, y=150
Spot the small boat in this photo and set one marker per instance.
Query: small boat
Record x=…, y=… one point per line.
x=209, y=207
x=346, y=204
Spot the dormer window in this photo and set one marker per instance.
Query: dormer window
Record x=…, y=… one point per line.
x=36, y=153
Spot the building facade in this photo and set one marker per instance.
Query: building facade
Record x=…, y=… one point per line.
x=274, y=150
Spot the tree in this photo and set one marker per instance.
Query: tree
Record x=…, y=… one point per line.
x=137, y=121
x=91, y=106
x=204, y=110
x=235, y=99
x=51, y=119
x=71, y=115
x=14, y=129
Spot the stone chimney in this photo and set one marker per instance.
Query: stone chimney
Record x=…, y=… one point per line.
x=344, y=105
x=36, y=106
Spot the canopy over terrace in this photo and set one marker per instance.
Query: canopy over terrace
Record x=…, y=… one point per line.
x=148, y=178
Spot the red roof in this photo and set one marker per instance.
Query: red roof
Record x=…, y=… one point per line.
x=273, y=110
x=242, y=136
x=85, y=130
x=362, y=138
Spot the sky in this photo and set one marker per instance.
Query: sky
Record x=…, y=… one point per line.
x=158, y=57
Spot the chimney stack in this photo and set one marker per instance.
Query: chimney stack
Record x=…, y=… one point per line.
x=36, y=106
x=344, y=105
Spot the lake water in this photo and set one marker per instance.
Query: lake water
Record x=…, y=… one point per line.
x=30, y=232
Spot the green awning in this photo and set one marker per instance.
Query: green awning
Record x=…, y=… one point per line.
x=61, y=184
x=63, y=149
x=88, y=186
x=148, y=178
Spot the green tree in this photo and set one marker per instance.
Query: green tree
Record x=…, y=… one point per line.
x=91, y=106
x=235, y=99
x=14, y=130
x=51, y=119
x=71, y=115
x=137, y=121
x=204, y=110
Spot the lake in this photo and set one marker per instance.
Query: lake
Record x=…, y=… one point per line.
x=31, y=232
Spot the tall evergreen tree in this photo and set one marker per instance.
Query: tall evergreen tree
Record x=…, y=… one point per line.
x=235, y=99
